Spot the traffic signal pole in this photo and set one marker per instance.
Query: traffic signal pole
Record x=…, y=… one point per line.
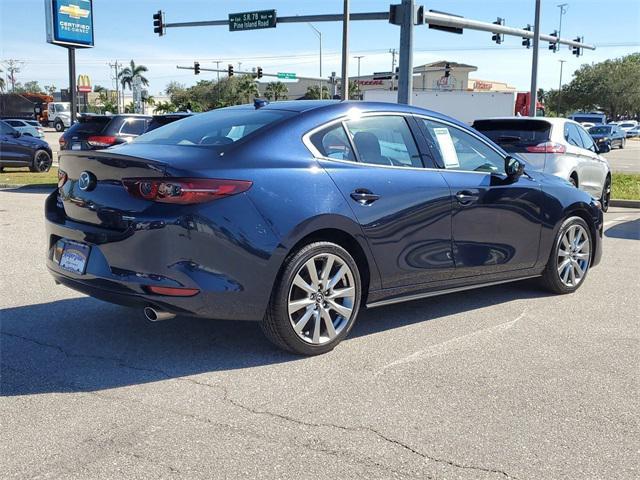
x=407, y=15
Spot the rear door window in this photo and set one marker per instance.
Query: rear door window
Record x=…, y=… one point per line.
x=515, y=135
x=332, y=142
x=90, y=126
x=133, y=126
x=572, y=135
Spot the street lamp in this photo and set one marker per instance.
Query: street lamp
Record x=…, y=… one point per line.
x=319, y=34
x=359, y=57
x=563, y=9
x=560, y=85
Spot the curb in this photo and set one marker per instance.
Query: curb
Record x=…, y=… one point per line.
x=625, y=203
x=35, y=186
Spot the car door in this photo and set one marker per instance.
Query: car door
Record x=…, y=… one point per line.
x=403, y=208
x=10, y=150
x=496, y=221
x=596, y=165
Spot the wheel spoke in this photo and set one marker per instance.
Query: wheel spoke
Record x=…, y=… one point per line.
x=565, y=242
x=326, y=270
x=304, y=319
x=300, y=283
x=572, y=272
x=296, y=305
x=578, y=269
x=313, y=272
x=563, y=265
x=582, y=256
x=340, y=309
x=563, y=253
x=331, y=331
x=565, y=275
x=342, y=292
x=337, y=277
x=316, y=327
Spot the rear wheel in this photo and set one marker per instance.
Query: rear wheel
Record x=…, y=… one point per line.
x=59, y=126
x=41, y=162
x=570, y=258
x=622, y=142
x=315, y=301
x=606, y=194
x=574, y=180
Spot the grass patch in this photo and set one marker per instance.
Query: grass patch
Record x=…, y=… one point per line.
x=22, y=176
x=625, y=186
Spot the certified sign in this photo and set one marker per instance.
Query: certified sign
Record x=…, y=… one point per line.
x=70, y=22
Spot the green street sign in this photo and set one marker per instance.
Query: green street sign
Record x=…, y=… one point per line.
x=287, y=75
x=252, y=20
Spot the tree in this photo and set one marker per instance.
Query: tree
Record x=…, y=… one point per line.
x=2, y=84
x=313, y=93
x=13, y=67
x=247, y=88
x=31, y=86
x=127, y=75
x=96, y=88
x=276, y=91
x=164, y=107
x=51, y=89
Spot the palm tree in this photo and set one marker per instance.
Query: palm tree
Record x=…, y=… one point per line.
x=2, y=84
x=247, y=88
x=313, y=92
x=127, y=75
x=276, y=91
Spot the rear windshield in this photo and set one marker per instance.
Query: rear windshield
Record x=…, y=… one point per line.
x=90, y=125
x=587, y=119
x=217, y=128
x=514, y=135
x=600, y=130
x=157, y=122
x=627, y=125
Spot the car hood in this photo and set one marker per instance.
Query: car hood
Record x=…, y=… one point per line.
x=600, y=135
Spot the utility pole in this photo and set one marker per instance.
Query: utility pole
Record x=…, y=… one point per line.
x=393, y=53
x=563, y=10
x=116, y=66
x=359, y=57
x=560, y=85
x=345, y=51
x=533, y=96
x=319, y=34
x=239, y=65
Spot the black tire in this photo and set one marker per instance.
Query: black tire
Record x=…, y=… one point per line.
x=574, y=180
x=277, y=325
x=59, y=126
x=41, y=162
x=550, y=277
x=622, y=142
x=605, y=198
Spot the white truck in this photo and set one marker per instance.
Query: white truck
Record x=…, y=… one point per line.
x=59, y=115
x=461, y=105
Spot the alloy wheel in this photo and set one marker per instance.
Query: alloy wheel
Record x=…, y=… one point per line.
x=321, y=298
x=574, y=253
x=42, y=161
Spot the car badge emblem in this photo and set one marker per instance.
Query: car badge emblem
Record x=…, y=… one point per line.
x=86, y=181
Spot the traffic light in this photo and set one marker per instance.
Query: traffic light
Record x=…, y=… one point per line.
x=498, y=37
x=447, y=70
x=196, y=68
x=577, y=51
x=554, y=46
x=259, y=72
x=158, y=23
x=526, y=41
x=230, y=70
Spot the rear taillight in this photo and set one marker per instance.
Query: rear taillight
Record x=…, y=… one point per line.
x=62, y=142
x=101, y=140
x=547, y=147
x=184, y=191
x=62, y=178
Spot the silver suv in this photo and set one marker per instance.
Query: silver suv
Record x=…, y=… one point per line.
x=558, y=146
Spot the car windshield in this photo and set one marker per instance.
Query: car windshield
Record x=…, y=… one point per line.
x=62, y=108
x=514, y=135
x=217, y=128
x=600, y=130
x=627, y=125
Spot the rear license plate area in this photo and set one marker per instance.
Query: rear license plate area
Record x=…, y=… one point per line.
x=72, y=256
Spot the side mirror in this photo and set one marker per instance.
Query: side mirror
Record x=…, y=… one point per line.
x=513, y=167
x=604, y=148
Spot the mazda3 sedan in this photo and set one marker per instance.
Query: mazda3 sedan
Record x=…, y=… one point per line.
x=300, y=214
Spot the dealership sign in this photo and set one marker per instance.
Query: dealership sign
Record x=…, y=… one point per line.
x=69, y=22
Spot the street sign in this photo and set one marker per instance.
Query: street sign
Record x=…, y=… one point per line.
x=287, y=75
x=252, y=20
x=69, y=22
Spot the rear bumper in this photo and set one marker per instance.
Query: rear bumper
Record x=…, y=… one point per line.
x=232, y=267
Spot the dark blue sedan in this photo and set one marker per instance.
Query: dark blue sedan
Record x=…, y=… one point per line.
x=299, y=214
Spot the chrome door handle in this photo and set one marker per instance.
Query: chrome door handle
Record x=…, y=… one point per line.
x=466, y=197
x=364, y=196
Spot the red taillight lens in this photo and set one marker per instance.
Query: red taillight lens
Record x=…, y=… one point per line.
x=62, y=141
x=101, y=140
x=547, y=147
x=173, y=291
x=62, y=178
x=184, y=191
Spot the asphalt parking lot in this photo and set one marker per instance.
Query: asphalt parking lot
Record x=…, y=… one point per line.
x=497, y=383
x=626, y=160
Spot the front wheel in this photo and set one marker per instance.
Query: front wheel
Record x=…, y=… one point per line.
x=41, y=162
x=315, y=300
x=59, y=126
x=570, y=258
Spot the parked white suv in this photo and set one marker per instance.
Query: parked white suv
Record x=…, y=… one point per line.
x=558, y=146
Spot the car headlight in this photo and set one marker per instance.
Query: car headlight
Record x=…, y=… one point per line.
x=605, y=139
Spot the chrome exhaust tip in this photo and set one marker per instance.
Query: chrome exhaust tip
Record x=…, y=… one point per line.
x=154, y=315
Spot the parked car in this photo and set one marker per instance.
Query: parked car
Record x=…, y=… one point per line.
x=633, y=133
x=554, y=145
x=298, y=213
x=592, y=118
x=166, y=119
x=94, y=132
x=628, y=125
x=26, y=127
x=18, y=150
x=607, y=136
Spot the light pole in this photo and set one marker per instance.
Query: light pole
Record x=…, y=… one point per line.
x=560, y=85
x=533, y=96
x=563, y=10
x=319, y=34
x=345, y=51
x=359, y=57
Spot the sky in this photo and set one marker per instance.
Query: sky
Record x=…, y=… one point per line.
x=124, y=31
